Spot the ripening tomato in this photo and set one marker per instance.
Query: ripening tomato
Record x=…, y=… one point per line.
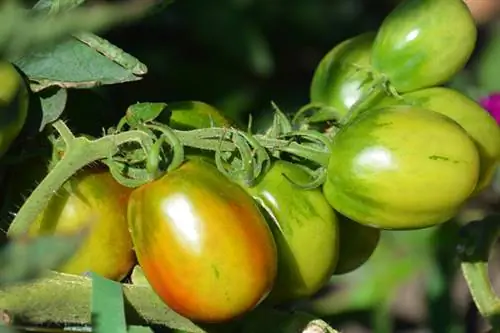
x=480, y=125
x=304, y=227
x=92, y=197
x=417, y=46
x=202, y=242
x=357, y=244
x=401, y=167
x=342, y=76
x=14, y=102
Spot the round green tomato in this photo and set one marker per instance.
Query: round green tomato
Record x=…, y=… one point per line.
x=480, y=125
x=304, y=227
x=357, y=244
x=202, y=243
x=189, y=115
x=339, y=80
x=14, y=102
x=401, y=167
x=423, y=43
x=92, y=197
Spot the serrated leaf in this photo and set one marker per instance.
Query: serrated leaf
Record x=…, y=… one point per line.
x=72, y=64
x=29, y=258
x=108, y=309
x=53, y=101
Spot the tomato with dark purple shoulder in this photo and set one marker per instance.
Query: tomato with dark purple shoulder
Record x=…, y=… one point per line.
x=401, y=167
x=424, y=43
x=305, y=228
x=342, y=76
x=357, y=244
x=202, y=243
x=478, y=123
x=14, y=103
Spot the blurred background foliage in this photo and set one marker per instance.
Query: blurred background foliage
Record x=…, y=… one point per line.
x=240, y=55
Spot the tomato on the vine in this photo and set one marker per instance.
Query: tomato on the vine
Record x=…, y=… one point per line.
x=401, y=167
x=342, y=76
x=416, y=48
x=91, y=198
x=480, y=125
x=304, y=227
x=357, y=244
x=14, y=102
x=202, y=242
x=188, y=115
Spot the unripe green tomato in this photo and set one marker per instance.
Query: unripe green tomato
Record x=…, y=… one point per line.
x=93, y=198
x=357, y=244
x=304, y=227
x=401, y=167
x=480, y=125
x=424, y=43
x=339, y=80
x=188, y=115
x=14, y=102
x=202, y=242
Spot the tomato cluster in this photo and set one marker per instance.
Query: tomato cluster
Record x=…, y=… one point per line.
x=406, y=153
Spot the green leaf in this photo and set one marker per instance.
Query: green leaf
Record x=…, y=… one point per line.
x=29, y=258
x=53, y=101
x=46, y=5
x=6, y=329
x=108, y=308
x=138, y=278
x=72, y=64
x=488, y=71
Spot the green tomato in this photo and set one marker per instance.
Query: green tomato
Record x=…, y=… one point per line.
x=14, y=102
x=480, y=125
x=339, y=80
x=401, y=167
x=423, y=43
x=305, y=229
x=357, y=244
x=189, y=115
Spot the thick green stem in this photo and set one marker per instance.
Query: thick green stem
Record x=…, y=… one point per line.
x=80, y=152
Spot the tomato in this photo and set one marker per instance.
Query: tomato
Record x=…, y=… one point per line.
x=188, y=115
x=14, y=102
x=92, y=197
x=304, y=227
x=339, y=80
x=423, y=43
x=202, y=242
x=357, y=244
x=401, y=167
x=480, y=125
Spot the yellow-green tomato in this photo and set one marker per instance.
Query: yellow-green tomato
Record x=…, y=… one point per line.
x=305, y=228
x=401, y=167
x=14, y=102
x=480, y=125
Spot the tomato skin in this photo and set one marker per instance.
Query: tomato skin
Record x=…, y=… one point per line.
x=92, y=196
x=357, y=244
x=401, y=167
x=337, y=82
x=202, y=243
x=305, y=228
x=480, y=125
x=416, y=48
x=189, y=115
x=14, y=102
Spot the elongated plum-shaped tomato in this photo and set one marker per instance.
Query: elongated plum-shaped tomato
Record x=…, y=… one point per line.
x=305, y=228
x=423, y=43
x=202, y=242
x=401, y=167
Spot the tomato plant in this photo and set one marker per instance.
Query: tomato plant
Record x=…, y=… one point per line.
x=14, y=102
x=416, y=48
x=401, y=167
x=478, y=123
x=202, y=243
x=91, y=198
x=342, y=77
x=305, y=228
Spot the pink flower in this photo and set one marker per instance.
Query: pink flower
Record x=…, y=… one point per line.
x=492, y=104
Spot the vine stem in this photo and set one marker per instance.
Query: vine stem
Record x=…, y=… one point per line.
x=79, y=152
